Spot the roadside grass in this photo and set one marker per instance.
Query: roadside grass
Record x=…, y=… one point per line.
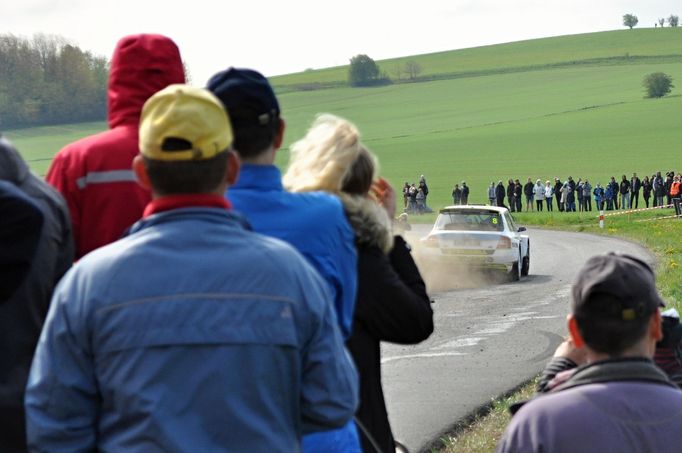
x=482, y=432
x=661, y=237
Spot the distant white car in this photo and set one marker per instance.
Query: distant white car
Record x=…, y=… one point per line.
x=481, y=237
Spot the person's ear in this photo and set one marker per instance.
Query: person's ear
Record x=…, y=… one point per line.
x=233, y=166
x=656, y=326
x=574, y=332
x=279, y=138
x=140, y=171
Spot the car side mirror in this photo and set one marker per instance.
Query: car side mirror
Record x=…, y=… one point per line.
x=522, y=229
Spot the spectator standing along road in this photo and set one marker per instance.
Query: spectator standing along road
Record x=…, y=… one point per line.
x=465, y=193
x=558, y=193
x=587, y=195
x=635, y=186
x=518, y=195
x=23, y=313
x=492, y=196
x=624, y=193
x=615, y=190
x=510, y=195
x=499, y=194
x=646, y=190
x=528, y=192
x=314, y=223
x=192, y=333
x=618, y=400
x=94, y=174
x=539, y=195
x=549, y=195
x=392, y=302
x=599, y=197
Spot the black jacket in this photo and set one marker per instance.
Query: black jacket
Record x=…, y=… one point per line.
x=624, y=187
x=499, y=192
x=392, y=305
x=22, y=316
x=528, y=189
x=510, y=190
x=22, y=221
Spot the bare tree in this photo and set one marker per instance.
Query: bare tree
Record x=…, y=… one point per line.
x=661, y=21
x=398, y=71
x=673, y=20
x=413, y=69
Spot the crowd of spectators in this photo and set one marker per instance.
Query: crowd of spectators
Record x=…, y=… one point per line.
x=202, y=313
x=415, y=196
x=580, y=195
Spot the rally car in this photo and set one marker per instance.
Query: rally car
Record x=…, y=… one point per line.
x=481, y=237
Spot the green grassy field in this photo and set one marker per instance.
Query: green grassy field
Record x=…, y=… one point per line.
x=39, y=144
x=589, y=48
x=589, y=121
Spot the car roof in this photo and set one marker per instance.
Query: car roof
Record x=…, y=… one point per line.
x=473, y=207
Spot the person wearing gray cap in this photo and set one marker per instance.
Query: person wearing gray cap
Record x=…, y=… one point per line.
x=617, y=400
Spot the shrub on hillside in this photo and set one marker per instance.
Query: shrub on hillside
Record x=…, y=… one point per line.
x=364, y=71
x=658, y=84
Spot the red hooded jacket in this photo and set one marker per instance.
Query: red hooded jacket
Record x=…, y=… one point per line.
x=95, y=173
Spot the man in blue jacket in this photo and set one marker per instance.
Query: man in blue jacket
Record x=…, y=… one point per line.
x=192, y=333
x=314, y=223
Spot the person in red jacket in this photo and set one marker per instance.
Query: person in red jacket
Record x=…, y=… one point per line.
x=95, y=174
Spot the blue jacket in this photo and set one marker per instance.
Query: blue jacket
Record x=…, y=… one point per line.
x=314, y=223
x=190, y=334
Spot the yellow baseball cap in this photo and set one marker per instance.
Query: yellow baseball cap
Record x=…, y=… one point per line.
x=182, y=122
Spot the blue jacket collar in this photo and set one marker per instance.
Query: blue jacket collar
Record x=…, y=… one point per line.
x=262, y=177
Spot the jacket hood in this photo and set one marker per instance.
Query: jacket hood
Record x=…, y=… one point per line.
x=141, y=66
x=12, y=167
x=369, y=221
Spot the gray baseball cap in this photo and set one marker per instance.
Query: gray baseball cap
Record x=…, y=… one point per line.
x=615, y=286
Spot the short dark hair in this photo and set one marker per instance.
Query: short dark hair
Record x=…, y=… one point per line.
x=359, y=178
x=250, y=137
x=609, y=335
x=186, y=176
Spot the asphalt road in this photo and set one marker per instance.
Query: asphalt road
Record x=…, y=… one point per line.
x=488, y=338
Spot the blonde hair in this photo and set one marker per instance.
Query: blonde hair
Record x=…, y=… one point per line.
x=325, y=157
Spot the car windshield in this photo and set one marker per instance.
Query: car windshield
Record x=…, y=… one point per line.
x=469, y=221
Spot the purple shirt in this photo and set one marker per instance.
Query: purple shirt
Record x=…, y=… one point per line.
x=605, y=417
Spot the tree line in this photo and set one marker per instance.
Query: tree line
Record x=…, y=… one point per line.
x=46, y=80
x=630, y=20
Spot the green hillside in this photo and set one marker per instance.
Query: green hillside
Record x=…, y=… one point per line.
x=612, y=47
x=584, y=120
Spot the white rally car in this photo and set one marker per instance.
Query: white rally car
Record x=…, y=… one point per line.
x=481, y=237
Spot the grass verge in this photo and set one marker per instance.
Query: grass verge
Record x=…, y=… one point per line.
x=661, y=236
x=481, y=432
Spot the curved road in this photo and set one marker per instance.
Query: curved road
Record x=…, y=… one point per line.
x=487, y=339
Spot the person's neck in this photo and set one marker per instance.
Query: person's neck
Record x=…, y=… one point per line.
x=640, y=350
x=266, y=157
